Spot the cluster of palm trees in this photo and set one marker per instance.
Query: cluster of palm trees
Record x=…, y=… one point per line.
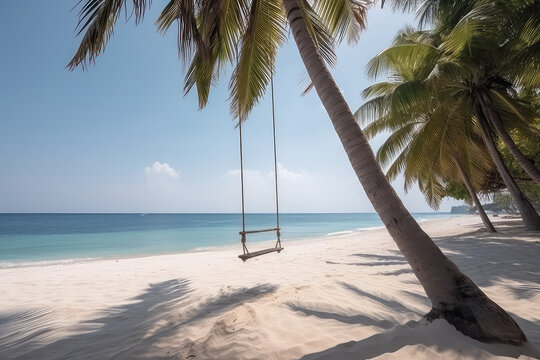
x=247, y=34
x=453, y=93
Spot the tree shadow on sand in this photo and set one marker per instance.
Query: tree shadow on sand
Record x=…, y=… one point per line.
x=360, y=319
x=488, y=258
x=438, y=337
x=502, y=258
x=381, y=299
x=375, y=260
x=357, y=319
x=128, y=331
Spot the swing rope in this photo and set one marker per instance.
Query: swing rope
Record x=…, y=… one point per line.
x=243, y=233
x=246, y=254
x=278, y=243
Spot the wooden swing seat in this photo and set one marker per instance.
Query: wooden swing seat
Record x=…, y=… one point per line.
x=248, y=255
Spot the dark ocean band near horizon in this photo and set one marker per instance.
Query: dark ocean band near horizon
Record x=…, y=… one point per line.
x=52, y=237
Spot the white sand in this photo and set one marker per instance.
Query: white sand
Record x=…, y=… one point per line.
x=347, y=297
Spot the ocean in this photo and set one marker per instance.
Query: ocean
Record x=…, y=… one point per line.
x=28, y=238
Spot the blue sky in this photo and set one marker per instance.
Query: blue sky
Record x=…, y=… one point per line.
x=120, y=137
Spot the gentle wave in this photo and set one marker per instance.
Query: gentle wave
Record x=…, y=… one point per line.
x=369, y=228
x=13, y=265
x=345, y=232
x=348, y=232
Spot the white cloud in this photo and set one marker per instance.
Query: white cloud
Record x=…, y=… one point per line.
x=283, y=175
x=259, y=188
x=292, y=176
x=161, y=171
x=247, y=173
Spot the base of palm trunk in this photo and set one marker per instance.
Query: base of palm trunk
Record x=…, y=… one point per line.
x=481, y=319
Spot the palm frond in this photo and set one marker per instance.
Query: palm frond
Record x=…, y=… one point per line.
x=407, y=56
x=201, y=74
x=378, y=89
x=432, y=186
x=396, y=143
x=410, y=97
x=185, y=14
x=264, y=33
x=373, y=109
x=97, y=19
x=319, y=31
x=346, y=18
x=220, y=24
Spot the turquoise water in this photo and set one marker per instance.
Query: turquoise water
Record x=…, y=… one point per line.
x=48, y=237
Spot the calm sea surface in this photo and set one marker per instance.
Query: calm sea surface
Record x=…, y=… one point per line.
x=50, y=237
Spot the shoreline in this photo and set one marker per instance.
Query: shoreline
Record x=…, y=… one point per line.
x=340, y=297
x=228, y=247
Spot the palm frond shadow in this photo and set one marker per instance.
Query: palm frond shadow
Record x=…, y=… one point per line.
x=358, y=319
x=395, y=336
x=502, y=258
x=381, y=299
x=487, y=258
x=128, y=331
x=390, y=258
x=396, y=272
x=494, y=258
x=418, y=333
x=376, y=260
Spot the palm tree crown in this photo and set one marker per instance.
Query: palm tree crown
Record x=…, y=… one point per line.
x=212, y=34
x=464, y=66
x=426, y=137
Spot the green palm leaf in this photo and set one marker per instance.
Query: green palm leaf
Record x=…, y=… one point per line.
x=97, y=19
x=345, y=18
x=220, y=24
x=319, y=31
x=264, y=33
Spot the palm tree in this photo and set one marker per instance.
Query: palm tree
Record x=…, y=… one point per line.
x=483, y=55
x=209, y=32
x=486, y=42
x=430, y=143
x=456, y=68
x=495, y=40
x=495, y=47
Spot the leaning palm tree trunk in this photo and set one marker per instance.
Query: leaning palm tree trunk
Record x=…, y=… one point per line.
x=487, y=223
x=495, y=120
x=528, y=214
x=453, y=295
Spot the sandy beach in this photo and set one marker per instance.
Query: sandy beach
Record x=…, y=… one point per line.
x=341, y=297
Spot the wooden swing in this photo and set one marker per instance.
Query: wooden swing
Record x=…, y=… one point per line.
x=277, y=248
